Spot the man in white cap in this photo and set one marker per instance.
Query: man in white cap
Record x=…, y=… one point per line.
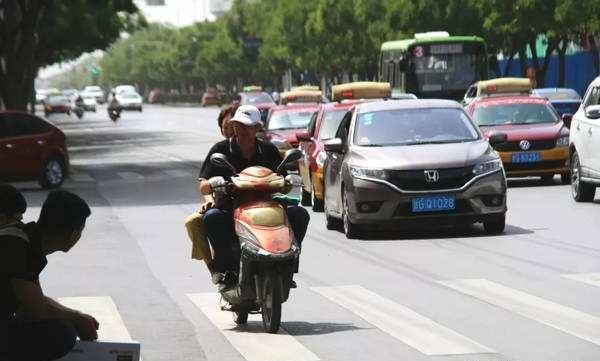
x=243, y=150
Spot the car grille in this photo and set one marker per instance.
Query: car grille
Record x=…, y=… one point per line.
x=535, y=145
x=405, y=209
x=414, y=180
x=547, y=164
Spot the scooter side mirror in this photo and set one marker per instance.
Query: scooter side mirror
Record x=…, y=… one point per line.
x=291, y=155
x=219, y=160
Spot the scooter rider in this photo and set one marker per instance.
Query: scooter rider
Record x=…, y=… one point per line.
x=242, y=150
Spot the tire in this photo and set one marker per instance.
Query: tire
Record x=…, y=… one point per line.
x=305, y=200
x=565, y=178
x=271, y=307
x=581, y=191
x=317, y=204
x=351, y=230
x=140, y=110
x=53, y=174
x=240, y=317
x=495, y=224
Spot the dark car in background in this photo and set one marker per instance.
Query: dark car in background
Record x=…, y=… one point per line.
x=32, y=148
x=424, y=162
x=564, y=100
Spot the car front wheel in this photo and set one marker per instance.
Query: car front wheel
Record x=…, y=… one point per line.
x=53, y=173
x=495, y=224
x=581, y=191
x=351, y=230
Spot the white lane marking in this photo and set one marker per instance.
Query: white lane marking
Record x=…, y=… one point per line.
x=103, y=309
x=592, y=279
x=81, y=177
x=402, y=323
x=563, y=318
x=130, y=175
x=178, y=173
x=251, y=342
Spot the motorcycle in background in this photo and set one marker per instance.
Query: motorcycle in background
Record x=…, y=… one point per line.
x=267, y=247
x=114, y=114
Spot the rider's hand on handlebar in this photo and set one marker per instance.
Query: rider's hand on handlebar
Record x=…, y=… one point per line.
x=216, y=182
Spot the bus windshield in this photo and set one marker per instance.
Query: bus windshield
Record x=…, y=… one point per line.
x=435, y=73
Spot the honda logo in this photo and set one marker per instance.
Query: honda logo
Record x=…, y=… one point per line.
x=524, y=145
x=432, y=176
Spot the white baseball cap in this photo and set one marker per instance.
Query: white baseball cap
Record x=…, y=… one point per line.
x=247, y=115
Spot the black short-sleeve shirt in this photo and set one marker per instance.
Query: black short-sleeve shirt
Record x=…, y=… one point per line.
x=19, y=259
x=266, y=155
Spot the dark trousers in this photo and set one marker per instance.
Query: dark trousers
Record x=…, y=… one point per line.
x=220, y=231
x=36, y=341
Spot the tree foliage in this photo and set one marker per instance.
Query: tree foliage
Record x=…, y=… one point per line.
x=35, y=33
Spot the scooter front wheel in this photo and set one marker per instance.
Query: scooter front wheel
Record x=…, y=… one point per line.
x=271, y=307
x=240, y=318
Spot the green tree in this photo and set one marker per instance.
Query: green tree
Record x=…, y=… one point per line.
x=36, y=33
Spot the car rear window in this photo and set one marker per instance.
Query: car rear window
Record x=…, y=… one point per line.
x=521, y=113
x=256, y=98
x=414, y=126
x=289, y=120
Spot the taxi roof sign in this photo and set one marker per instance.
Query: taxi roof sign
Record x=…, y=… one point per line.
x=361, y=90
x=504, y=86
x=252, y=88
x=302, y=96
x=305, y=87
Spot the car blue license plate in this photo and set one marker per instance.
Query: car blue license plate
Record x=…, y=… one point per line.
x=526, y=157
x=433, y=204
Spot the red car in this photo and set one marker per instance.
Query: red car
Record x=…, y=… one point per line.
x=284, y=121
x=259, y=99
x=32, y=148
x=211, y=97
x=538, y=140
x=57, y=103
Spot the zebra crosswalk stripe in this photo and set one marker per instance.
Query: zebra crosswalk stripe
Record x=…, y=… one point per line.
x=560, y=317
x=592, y=279
x=402, y=323
x=253, y=344
x=103, y=309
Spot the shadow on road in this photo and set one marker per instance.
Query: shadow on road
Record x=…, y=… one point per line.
x=299, y=328
x=449, y=232
x=532, y=182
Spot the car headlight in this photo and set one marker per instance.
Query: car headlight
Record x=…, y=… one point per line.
x=321, y=158
x=359, y=172
x=562, y=141
x=487, y=167
x=281, y=144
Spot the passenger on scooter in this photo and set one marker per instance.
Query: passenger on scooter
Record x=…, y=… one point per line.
x=242, y=150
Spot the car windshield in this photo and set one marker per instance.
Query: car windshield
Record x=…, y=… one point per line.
x=560, y=94
x=414, y=126
x=256, y=98
x=92, y=88
x=289, y=120
x=330, y=124
x=504, y=114
x=58, y=99
x=129, y=95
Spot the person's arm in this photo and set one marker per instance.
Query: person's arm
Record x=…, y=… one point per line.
x=39, y=307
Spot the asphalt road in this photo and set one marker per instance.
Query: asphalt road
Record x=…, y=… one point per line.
x=530, y=294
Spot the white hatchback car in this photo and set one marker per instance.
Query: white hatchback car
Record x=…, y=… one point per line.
x=585, y=145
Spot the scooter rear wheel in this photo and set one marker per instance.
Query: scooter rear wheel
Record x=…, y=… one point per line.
x=271, y=307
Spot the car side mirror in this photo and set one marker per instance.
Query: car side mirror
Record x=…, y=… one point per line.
x=334, y=145
x=219, y=160
x=496, y=139
x=292, y=155
x=592, y=112
x=303, y=136
x=566, y=119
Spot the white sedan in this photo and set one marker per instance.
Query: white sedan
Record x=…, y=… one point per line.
x=130, y=101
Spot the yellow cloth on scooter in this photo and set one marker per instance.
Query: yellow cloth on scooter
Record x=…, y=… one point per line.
x=195, y=230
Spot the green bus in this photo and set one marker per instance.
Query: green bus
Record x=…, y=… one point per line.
x=433, y=64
